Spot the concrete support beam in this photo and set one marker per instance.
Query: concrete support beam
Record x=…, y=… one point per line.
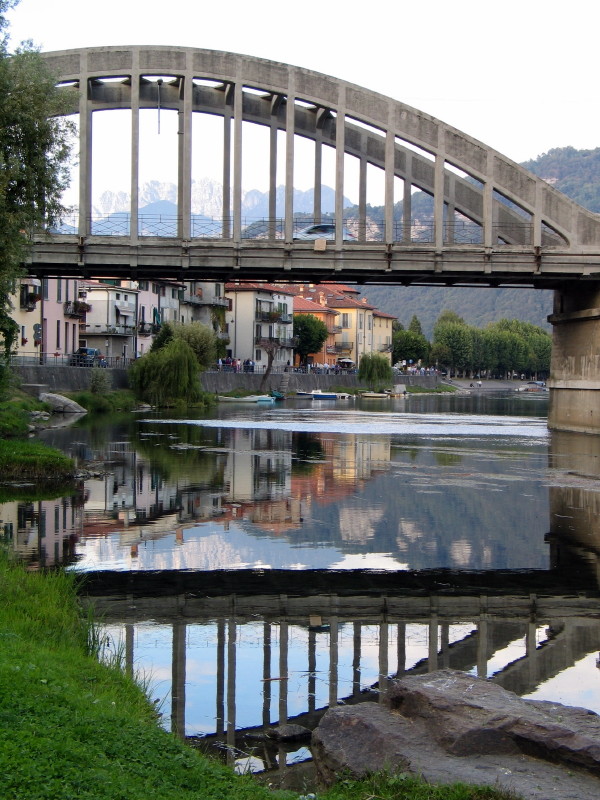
x=575, y=367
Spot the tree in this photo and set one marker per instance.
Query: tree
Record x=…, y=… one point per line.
x=199, y=337
x=414, y=325
x=166, y=375
x=34, y=152
x=409, y=346
x=375, y=370
x=311, y=332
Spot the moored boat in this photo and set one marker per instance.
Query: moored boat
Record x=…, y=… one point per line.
x=250, y=398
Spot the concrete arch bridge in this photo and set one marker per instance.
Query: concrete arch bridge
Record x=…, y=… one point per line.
x=489, y=221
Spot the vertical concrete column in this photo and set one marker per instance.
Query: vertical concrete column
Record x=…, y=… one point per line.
x=220, y=693
x=290, y=127
x=283, y=670
x=312, y=669
x=85, y=149
x=438, y=192
x=362, y=199
x=382, y=683
x=407, y=202
x=237, y=157
x=356, y=640
x=178, y=668
x=318, y=170
x=135, y=147
x=333, y=661
x=273, y=131
x=432, y=657
x=390, y=158
x=340, y=145
x=574, y=381
x=266, y=714
x=184, y=156
x=489, y=236
x=227, y=116
x=231, y=676
x=537, y=215
x=450, y=209
x=129, y=640
x=531, y=648
x=482, y=646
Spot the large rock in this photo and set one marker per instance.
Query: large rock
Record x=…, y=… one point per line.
x=467, y=715
x=449, y=726
x=61, y=404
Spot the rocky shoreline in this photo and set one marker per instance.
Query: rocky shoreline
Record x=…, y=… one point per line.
x=449, y=726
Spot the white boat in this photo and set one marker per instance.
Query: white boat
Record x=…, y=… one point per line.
x=375, y=395
x=318, y=394
x=250, y=398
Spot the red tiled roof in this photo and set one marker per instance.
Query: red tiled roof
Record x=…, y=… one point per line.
x=303, y=304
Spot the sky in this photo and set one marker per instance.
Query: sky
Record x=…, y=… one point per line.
x=521, y=75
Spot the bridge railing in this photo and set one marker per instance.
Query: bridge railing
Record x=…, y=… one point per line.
x=460, y=232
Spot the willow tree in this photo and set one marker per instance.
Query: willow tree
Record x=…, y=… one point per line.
x=34, y=153
x=375, y=371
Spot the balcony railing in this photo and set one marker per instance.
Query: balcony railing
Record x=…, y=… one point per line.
x=343, y=347
x=198, y=300
x=76, y=308
x=147, y=328
x=109, y=330
x=265, y=341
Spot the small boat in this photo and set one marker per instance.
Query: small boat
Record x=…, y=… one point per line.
x=249, y=398
x=375, y=395
x=276, y=395
x=318, y=394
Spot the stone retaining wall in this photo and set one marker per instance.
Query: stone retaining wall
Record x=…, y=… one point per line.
x=47, y=378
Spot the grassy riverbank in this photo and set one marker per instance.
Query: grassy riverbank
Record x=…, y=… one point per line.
x=31, y=461
x=71, y=727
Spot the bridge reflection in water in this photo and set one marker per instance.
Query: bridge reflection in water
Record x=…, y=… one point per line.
x=242, y=662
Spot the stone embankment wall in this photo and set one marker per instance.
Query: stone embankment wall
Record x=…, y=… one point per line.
x=37, y=378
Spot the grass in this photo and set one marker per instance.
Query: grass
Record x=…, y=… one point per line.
x=102, y=403
x=14, y=414
x=72, y=728
x=405, y=787
x=441, y=388
x=30, y=460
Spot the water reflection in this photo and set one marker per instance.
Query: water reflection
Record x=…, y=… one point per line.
x=430, y=497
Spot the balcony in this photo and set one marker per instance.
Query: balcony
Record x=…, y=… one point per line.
x=109, y=330
x=270, y=316
x=280, y=341
x=28, y=300
x=147, y=328
x=200, y=300
x=385, y=348
x=76, y=308
x=343, y=347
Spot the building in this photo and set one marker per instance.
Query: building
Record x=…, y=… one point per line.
x=259, y=321
x=327, y=354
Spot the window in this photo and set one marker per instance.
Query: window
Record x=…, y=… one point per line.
x=57, y=334
x=118, y=295
x=143, y=286
x=360, y=322
x=345, y=320
x=59, y=289
x=369, y=323
x=258, y=355
x=45, y=288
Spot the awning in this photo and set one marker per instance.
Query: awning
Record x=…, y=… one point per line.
x=31, y=281
x=346, y=360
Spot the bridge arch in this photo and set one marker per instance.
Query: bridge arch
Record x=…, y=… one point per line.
x=506, y=204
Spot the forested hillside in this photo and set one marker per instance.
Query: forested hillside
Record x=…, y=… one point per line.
x=574, y=172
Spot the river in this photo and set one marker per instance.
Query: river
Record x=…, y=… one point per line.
x=282, y=558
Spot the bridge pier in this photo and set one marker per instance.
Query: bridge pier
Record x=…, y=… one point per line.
x=575, y=366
